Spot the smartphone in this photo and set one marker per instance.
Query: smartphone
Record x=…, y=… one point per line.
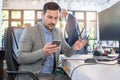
x=57, y=42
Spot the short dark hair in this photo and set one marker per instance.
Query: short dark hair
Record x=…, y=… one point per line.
x=51, y=6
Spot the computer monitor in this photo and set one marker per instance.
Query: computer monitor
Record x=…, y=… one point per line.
x=109, y=23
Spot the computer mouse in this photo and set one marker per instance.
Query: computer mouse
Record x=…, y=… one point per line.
x=90, y=60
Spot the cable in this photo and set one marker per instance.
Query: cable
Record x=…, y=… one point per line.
x=108, y=64
x=88, y=64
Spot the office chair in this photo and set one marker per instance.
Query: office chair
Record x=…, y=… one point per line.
x=11, y=37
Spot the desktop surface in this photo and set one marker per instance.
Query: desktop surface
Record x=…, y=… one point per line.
x=104, y=70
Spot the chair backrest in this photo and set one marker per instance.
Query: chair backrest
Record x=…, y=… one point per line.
x=11, y=39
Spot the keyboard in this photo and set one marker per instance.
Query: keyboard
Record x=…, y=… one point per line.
x=104, y=58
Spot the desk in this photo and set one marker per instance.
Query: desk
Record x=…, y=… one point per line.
x=93, y=71
x=1, y=64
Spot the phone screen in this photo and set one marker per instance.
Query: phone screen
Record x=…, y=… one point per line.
x=56, y=42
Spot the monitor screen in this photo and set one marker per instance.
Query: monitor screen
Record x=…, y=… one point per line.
x=109, y=32
x=109, y=28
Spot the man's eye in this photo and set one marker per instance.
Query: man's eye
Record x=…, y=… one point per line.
x=56, y=18
x=49, y=17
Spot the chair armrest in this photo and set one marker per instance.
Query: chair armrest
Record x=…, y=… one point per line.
x=24, y=72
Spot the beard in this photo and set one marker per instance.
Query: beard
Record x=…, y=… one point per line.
x=50, y=26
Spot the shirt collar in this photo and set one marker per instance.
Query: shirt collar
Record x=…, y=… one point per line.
x=45, y=30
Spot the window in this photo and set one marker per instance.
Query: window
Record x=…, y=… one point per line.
x=88, y=19
x=29, y=17
x=20, y=17
x=15, y=15
x=38, y=17
x=91, y=24
x=5, y=19
x=15, y=18
x=79, y=15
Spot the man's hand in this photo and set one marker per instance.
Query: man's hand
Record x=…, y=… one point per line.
x=79, y=44
x=50, y=48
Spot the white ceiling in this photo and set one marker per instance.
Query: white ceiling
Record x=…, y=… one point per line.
x=94, y=5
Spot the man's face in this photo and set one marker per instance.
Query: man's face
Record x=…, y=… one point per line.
x=62, y=15
x=50, y=19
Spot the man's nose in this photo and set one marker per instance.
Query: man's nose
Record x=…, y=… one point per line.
x=53, y=20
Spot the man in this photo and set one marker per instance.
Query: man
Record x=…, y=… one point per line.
x=36, y=52
x=71, y=28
